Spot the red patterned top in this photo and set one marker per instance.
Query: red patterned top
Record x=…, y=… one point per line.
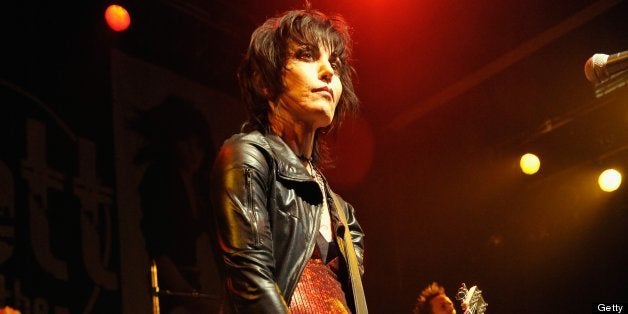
x=318, y=289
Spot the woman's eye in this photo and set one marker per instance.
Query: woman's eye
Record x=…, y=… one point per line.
x=335, y=63
x=305, y=55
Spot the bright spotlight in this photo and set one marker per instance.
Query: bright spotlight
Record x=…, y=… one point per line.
x=609, y=180
x=529, y=163
x=117, y=18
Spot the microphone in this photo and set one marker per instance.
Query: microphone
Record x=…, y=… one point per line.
x=601, y=67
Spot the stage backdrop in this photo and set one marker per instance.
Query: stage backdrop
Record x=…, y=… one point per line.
x=70, y=233
x=139, y=85
x=59, y=245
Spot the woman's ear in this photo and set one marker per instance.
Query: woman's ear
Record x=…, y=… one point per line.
x=260, y=87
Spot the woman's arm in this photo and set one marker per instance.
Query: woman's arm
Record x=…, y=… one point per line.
x=239, y=195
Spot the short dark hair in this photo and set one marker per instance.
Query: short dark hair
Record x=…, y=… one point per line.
x=423, y=305
x=260, y=74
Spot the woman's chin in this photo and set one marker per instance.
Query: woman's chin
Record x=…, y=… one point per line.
x=325, y=121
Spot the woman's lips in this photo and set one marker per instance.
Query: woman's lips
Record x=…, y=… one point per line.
x=325, y=89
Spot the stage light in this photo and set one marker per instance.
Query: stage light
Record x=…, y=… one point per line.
x=529, y=163
x=117, y=18
x=609, y=180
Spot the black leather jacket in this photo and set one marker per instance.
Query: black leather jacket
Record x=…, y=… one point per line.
x=267, y=210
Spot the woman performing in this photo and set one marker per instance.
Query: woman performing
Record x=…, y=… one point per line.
x=288, y=243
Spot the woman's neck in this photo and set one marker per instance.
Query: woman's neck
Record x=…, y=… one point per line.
x=298, y=136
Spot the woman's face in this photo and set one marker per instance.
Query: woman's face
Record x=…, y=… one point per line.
x=312, y=86
x=442, y=305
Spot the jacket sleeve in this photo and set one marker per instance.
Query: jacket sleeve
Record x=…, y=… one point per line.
x=357, y=235
x=240, y=180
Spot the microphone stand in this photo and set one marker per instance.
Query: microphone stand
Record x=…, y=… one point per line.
x=616, y=81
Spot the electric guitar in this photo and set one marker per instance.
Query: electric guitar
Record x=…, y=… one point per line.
x=472, y=298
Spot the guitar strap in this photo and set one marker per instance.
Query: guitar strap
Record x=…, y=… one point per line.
x=345, y=244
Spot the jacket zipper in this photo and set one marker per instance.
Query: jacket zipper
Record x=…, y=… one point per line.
x=251, y=206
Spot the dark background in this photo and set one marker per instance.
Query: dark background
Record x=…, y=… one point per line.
x=452, y=94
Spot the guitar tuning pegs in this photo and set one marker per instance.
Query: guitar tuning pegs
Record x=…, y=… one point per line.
x=462, y=292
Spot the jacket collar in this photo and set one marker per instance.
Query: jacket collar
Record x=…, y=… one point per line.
x=289, y=166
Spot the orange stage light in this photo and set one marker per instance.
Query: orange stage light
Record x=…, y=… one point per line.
x=117, y=18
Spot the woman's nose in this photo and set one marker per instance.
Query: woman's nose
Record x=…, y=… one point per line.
x=326, y=72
